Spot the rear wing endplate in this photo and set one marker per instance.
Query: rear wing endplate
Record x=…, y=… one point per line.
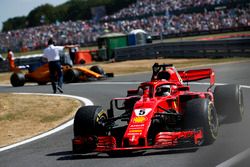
x=195, y=75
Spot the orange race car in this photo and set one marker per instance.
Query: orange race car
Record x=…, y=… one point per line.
x=71, y=74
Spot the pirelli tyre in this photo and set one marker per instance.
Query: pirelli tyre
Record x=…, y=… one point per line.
x=201, y=113
x=229, y=103
x=89, y=122
x=97, y=69
x=17, y=79
x=71, y=75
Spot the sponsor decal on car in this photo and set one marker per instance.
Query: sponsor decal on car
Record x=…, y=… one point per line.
x=142, y=111
x=140, y=119
x=136, y=125
x=135, y=131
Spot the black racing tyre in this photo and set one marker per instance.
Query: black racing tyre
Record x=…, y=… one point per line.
x=228, y=100
x=17, y=79
x=89, y=121
x=71, y=76
x=82, y=61
x=201, y=113
x=97, y=69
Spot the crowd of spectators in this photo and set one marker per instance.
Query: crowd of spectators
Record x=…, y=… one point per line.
x=147, y=7
x=206, y=21
x=80, y=32
x=85, y=32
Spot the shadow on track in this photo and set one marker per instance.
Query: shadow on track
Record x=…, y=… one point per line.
x=69, y=155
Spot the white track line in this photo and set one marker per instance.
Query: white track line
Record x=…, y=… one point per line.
x=237, y=160
x=87, y=102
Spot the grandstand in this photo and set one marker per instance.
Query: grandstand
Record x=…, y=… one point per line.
x=144, y=8
x=157, y=17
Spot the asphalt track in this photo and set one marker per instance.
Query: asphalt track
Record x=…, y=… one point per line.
x=231, y=146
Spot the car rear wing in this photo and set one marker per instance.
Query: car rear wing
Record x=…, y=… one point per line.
x=195, y=75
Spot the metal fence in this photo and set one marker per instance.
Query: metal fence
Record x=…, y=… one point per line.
x=186, y=49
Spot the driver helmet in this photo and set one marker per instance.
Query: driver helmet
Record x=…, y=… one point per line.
x=163, y=90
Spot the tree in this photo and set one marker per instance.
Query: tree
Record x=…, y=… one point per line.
x=70, y=10
x=14, y=23
x=43, y=14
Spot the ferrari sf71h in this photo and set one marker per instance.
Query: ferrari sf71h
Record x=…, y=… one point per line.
x=161, y=113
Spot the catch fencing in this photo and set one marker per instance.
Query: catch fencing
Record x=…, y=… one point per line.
x=186, y=49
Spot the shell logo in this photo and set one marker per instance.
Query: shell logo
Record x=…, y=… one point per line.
x=139, y=119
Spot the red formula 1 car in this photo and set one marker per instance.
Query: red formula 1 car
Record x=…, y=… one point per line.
x=161, y=113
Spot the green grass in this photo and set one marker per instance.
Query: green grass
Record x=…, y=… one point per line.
x=8, y=117
x=18, y=54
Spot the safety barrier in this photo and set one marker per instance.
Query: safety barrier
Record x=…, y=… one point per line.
x=21, y=62
x=186, y=49
x=4, y=66
x=183, y=49
x=28, y=60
